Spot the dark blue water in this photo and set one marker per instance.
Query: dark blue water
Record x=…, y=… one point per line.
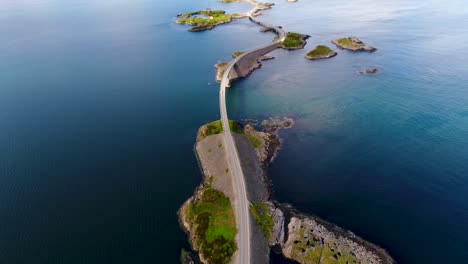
x=100, y=102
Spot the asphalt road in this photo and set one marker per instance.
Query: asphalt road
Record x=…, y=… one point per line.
x=241, y=206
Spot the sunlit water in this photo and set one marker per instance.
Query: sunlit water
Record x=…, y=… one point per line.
x=100, y=102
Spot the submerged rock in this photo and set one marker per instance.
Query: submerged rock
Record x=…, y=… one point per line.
x=273, y=124
x=369, y=71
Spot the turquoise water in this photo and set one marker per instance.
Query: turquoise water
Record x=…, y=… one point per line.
x=100, y=102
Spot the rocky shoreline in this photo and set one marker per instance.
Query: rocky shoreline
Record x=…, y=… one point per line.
x=310, y=239
x=297, y=236
x=320, y=57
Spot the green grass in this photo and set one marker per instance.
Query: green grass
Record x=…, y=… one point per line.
x=262, y=217
x=215, y=226
x=216, y=127
x=347, y=42
x=320, y=50
x=256, y=143
x=235, y=127
x=315, y=252
x=237, y=54
x=293, y=40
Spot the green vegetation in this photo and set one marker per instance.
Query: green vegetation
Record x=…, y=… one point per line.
x=235, y=127
x=311, y=250
x=263, y=218
x=215, y=226
x=212, y=128
x=206, y=19
x=320, y=51
x=348, y=43
x=293, y=40
x=237, y=54
x=256, y=143
x=216, y=127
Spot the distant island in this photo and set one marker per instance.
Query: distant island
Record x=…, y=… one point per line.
x=353, y=44
x=204, y=20
x=320, y=52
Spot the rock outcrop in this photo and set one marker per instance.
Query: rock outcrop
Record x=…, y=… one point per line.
x=353, y=44
x=320, y=52
x=372, y=71
x=312, y=240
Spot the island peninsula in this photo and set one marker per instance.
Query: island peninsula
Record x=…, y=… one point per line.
x=230, y=218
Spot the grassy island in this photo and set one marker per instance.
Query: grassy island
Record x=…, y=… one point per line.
x=203, y=20
x=353, y=44
x=212, y=219
x=216, y=127
x=320, y=52
x=294, y=41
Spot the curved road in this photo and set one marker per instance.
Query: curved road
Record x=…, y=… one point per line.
x=241, y=207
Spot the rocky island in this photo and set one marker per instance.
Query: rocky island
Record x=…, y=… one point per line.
x=294, y=41
x=353, y=44
x=320, y=52
x=205, y=20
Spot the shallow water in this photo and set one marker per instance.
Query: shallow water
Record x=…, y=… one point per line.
x=100, y=103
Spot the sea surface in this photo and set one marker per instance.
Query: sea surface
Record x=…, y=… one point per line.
x=100, y=102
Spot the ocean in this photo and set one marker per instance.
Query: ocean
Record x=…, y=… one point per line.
x=100, y=102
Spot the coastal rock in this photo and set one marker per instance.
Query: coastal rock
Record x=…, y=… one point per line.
x=278, y=232
x=371, y=71
x=353, y=44
x=186, y=257
x=312, y=240
x=273, y=124
x=268, y=144
x=219, y=67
